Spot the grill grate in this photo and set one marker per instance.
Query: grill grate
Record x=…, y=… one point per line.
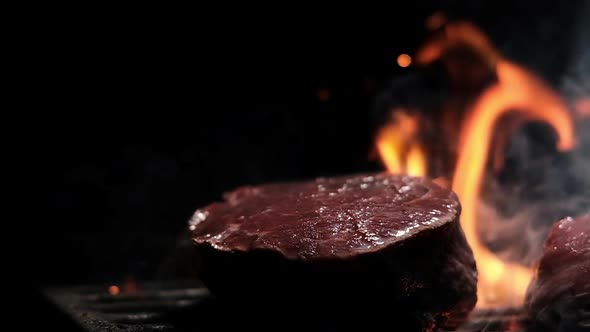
x=186, y=306
x=152, y=307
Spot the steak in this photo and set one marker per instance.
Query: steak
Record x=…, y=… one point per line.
x=362, y=246
x=559, y=297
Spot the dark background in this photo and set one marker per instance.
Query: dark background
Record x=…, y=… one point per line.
x=142, y=118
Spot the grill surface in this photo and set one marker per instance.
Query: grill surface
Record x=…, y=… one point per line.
x=151, y=307
x=187, y=306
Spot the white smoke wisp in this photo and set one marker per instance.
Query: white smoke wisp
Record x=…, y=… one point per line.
x=515, y=218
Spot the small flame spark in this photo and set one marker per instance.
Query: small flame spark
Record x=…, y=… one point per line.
x=404, y=60
x=397, y=147
x=114, y=290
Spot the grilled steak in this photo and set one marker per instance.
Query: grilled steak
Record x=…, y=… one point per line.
x=356, y=245
x=559, y=297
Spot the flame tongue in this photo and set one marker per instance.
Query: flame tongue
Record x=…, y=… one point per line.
x=500, y=283
x=398, y=147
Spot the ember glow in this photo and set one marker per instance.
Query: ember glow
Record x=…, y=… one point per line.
x=404, y=60
x=516, y=91
x=435, y=21
x=114, y=290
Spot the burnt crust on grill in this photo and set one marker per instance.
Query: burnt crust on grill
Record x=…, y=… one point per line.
x=360, y=244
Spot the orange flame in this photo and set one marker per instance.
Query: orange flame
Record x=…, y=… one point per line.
x=398, y=148
x=500, y=283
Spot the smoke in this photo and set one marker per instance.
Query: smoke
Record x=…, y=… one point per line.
x=538, y=184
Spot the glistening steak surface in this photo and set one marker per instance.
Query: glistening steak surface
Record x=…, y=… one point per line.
x=358, y=247
x=337, y=217
x=559, y=297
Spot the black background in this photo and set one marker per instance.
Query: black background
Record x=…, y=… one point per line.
x=144, y=118
x=136, y=118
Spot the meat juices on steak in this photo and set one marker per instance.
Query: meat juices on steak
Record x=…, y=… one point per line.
x=357, y=244
x=558, y=299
